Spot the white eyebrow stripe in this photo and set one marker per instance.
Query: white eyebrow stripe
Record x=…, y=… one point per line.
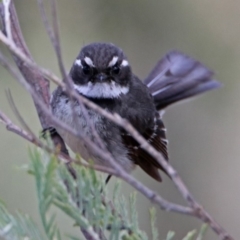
x=124, y=63
x=89, y=61
x=78, y=62
x=113, y=61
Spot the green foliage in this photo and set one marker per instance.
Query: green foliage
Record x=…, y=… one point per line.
x=17, y=227
x=153, y=219
x=84, y=200
x=170, y=235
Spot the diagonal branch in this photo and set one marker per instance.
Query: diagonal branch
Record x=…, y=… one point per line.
x=10, y=126
x=32, y=76
x=53, y=32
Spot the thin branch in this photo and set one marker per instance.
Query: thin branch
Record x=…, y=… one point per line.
x=42, y=107
x=17, y=114
x=13, y=128
x=57, y=39
x=33, y=77
x=10, y=126
x=90, y=235
x=18, y=77
x=45, y=21
x=7, y=23
x=53, y=34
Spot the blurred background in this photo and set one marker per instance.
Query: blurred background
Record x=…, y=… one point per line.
x=204, y=134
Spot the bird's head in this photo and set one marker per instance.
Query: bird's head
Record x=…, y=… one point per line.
x=101, y=70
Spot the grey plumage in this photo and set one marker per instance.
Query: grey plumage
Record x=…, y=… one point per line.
x=101, y=73
x=62, y=109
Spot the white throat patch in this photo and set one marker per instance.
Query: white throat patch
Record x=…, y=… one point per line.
x=102, y=90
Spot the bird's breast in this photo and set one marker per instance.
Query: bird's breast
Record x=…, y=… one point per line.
x=83, y=122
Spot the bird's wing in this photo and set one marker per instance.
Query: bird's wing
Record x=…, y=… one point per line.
x=156, y=136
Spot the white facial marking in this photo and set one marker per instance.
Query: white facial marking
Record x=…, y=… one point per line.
x=113, y=61
x=124, y=63
x=78, y=62
x=89, y=61
x=101, y=90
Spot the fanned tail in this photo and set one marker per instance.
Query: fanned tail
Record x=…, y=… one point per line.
x=177, y=77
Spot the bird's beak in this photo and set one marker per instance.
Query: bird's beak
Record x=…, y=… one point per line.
x=101, y=77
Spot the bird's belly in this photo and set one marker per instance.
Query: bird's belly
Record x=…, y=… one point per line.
x=108, y=133
x=79, y=147
x=75, y=143
x=80, y=126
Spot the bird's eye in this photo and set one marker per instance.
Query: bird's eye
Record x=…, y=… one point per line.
x=87, y=70
x=115, y=70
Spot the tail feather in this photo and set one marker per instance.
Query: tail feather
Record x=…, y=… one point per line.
x=177, y=77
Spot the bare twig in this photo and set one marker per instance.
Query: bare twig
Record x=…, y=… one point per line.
x=17, y=114
x=13, y=128
x=7, y=18
x=42, y=106
x=33, y=77
x=53, y=33
x=57, y=39
x=45, y=21
x=10, y=126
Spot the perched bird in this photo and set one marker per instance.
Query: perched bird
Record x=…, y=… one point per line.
x=102, y=73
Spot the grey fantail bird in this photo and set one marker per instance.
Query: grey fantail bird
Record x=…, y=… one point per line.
x=103, y=74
